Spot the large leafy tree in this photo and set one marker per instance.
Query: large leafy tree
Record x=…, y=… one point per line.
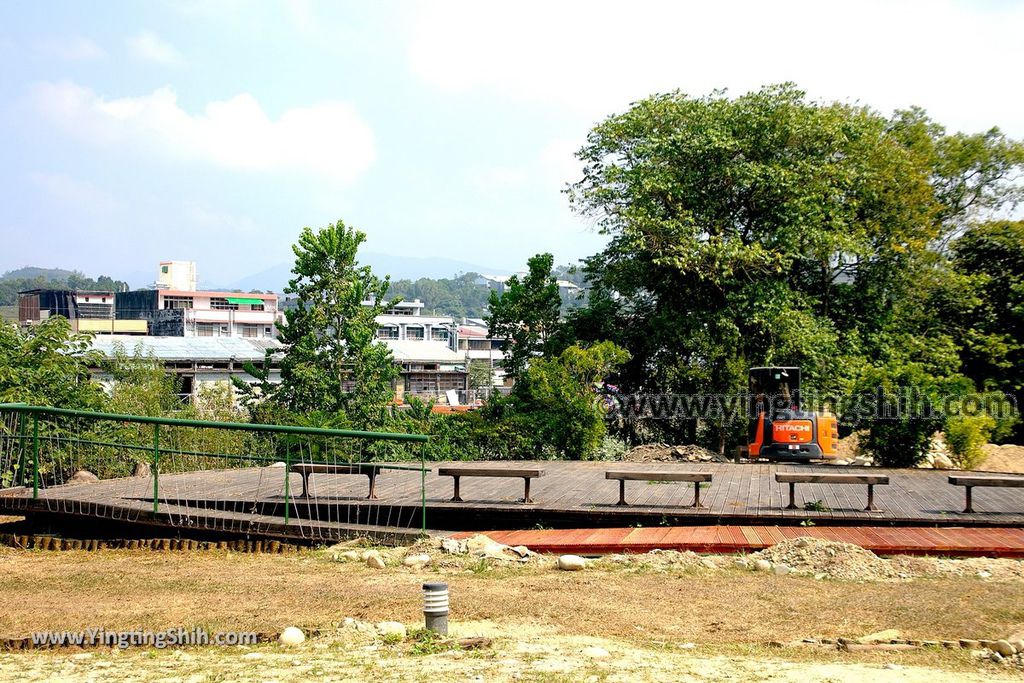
x=333, y=363
x=769, y=229
x=47, y=364
x=526, y=314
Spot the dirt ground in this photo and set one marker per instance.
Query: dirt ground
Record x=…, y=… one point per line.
x=661, y=616
x=1005, y=458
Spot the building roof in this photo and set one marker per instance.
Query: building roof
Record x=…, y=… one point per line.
x=188, y=348
x=221, y=295
x=410, y=350
x=472, y=331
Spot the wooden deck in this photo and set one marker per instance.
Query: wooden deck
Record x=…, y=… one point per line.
x=569, y=495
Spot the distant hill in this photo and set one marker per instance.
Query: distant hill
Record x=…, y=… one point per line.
x=398, y=267
x=33, y=272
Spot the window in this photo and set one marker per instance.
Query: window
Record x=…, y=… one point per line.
x=414, y=332
x=439, y=334
x=256, y=307
x=387, y=332
x=250, y=331
x=221, y=304
x=268, y=332
x=206, y=330
x=479, y=344
x=163, y=269
x=177, y=302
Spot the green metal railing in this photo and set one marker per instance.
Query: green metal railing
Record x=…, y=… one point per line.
x=158, y=448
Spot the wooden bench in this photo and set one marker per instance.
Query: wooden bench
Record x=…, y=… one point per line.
x=794, y=478
x=308, y=468
x=660, y=475
x=524, y=473
x=970, y=481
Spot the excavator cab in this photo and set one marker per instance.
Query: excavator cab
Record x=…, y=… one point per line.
x=779, y=428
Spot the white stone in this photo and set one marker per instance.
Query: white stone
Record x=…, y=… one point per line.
x=391, y=628
x=351, y=555
x=571, y=563
x=292, y=636
x=252, y=655
x=416, y=560
x=277, y=464
x=763, y=566
x=595, y=652
x=742, y=564
x=709, y=563
x=375, y=561
x=454, y=547
x=984, y=574
x=781, y=570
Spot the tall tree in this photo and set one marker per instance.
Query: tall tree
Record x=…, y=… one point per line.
x=333, y=362
x=526, y=314
x=768, y=229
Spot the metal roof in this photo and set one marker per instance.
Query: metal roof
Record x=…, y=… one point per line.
x=188, y=348
x=430, y=351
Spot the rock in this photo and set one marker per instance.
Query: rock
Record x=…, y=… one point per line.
x=891, y=666
x=880, y=636
x=454, y=547
x=982, y=574
x=1003, y=647
x=416, y=560
x=142, y=469
x=292, y=636
x=391, y=629
x=943, y=462
x=968, y=644
x=83, y=477
x=277, y=464
x=980, y=654
x=763, y=566
x=351, y=556
x=522, y=551
x=595, y=652
x=375, y=561
x=800, y=542
x=709, y=563
x=252, y=655
x=365, y=555
x=571, y=563
x=781, y=570
x=742, y=564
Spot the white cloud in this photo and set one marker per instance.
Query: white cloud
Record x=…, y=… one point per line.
x=594, y=57
x=148, y=46
x=329, y=139
x=72, y=49
x=76, y=195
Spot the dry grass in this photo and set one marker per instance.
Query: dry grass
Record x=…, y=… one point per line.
x=123, y=589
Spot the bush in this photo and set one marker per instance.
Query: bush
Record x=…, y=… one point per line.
x=966, y=434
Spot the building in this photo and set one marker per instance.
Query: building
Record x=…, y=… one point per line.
x=87, y=311
x=406, y=322
x=195, y=361
x=478, y=347
x=189, y=313
x=424, y=346
x=179, y=275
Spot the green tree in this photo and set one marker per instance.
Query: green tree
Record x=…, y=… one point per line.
x=47, y=364
x=526, y=314
x=333, y=363
x=769, y=229
x=554, y=405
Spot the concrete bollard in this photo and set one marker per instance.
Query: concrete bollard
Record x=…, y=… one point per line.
x=435, y=607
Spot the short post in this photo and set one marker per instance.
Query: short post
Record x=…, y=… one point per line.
x=871, y=499
x=696, y=494
x=156, y=468
x=792, y=496
x=35, y=455
x=435, y=607
x=526, y=491
x=969, y=507
x=622, y=492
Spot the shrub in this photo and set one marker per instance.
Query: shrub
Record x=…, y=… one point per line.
x=966, y=434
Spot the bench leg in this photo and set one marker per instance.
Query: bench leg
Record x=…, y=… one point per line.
x=871, y=499
x=526, y=491
x=969, y=507
x=373, y=486
x=456, y=498
x=305, y=485
x=622, y=492
x=792, y=496
x=696, y=495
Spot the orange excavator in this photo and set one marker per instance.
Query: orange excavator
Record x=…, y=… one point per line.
x=780, y=429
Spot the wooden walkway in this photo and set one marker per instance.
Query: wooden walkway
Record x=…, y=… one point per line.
x=570, y=495
x=953, y=541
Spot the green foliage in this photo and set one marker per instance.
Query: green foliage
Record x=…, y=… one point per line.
x=526, y=314
x=21, y=279
x=554, y=402
x=966, y=434
x=458, y=296
x=140, y=385
x=333, y=363
x=767, y=229
x=47, y=364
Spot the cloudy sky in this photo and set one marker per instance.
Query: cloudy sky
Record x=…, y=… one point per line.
x=213, y=131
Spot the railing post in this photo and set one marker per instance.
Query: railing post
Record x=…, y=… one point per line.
x=35, y=455
x=423, y=491
x=22, y=447
x=287, y=481
x=156, y=467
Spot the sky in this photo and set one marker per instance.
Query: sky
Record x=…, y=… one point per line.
x=132, y=133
